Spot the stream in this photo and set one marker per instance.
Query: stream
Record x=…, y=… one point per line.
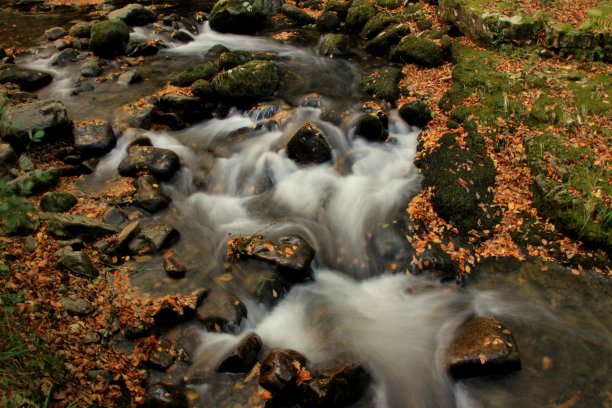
x=237, y=180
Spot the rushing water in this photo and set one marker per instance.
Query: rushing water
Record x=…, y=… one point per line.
x=238, y=180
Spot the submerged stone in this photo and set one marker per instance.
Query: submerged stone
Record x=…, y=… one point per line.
x=165, y=396
x=279, y=374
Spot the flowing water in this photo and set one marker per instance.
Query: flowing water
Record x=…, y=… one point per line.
x=238, y=180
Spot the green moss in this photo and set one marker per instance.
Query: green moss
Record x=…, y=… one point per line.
x=377, y=24
x=359, y=13
x=382, y=84
x=248, y=82
x=231, y=59
x=109, y=38
x=202, y=71
x=418, y=51
x=593, y=97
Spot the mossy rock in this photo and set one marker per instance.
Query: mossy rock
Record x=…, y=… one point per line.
x=389, y=4
x=461, y=179
x=231, y=59
x=424, y=24
x=341, y=8
x=57, y=202
x=202, y=71
x=377, y=24
x=328, y=21
x=335, y=45
x=546, y=110
x=418, y=51
x=109, y=38
x=237, y=16
x=416, y=113
x=203, y=89
x=386, y=39
x=360, y=12
x=248, y=82
x=383, y=84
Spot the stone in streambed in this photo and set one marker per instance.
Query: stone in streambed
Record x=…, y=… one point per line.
x=65, y=57
x=416, y=114
x=309, y=146
x=279, y=374
x=154, y=239
x=265, y=287
x=160, y=163
x=8, y=159
x=81, y=30
x=385, y=40
x=173, y=266
x=93, y=138
x=133, y=15
x=161, y=358
x=54, y=33
x=376, y=25
x=206, y=71
x=243, y=357
x=49, y=116
x=334, y=45
x=291, y=254
x=221, y=312
x=297, y=14
x=359, y=13
x=129, y=78
x=109, y=38
x=482, y=346
x=57, y=202
x=370, y=127
x=164, y=396
x=66, y=226
x=247, y=83
x=149, y=196
x=237, y=16
x=328, y=21
x=91, y=69
x=382, y=84
x=188, y=108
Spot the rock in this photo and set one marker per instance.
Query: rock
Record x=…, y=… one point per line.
x=248, y=82
x=93, y=138
x=81, y=30
x=359, y=13
x=65, y=57
x=482, y=346
x=173, y=267
x=149, y=195
x=28, y=79
x=61, y=44
x=232, y=59
x=66, y=226
x=29, y=244
x=243, y=357
x=265, y=287
x=204, y=71
x=8, y=159
x=341, y=8
x=164, y=396
x=57, y=202
x=424, y=24
x=383, y=84
x=339, y=386
x=138, y=115
x=49, y=116
x=291, y=254
x=297, y=14
x=161, y=358
x=334, y=45
x=416, y=114
x=419, y=51
x=133, y=15
x=142, y=48
x=81, y=44
x=377, y=24
x=237, y=16
x=203, y=89
x=77, y=263
x=129, y=78
x=95, y=376
x=309, y=146
x=181, y=36
x=91, y=69
x=437, y=264
x=35, y=182
x=25, y=163
x=221, y=312
x=114, y=216
x=371, y=128
x=54, y=33
x=188, y=108
x=385, y=40
x=328, y=21
x=168, y=315
x=78, y=307
x=125, y=237
x=160, y=163
x=109, y=38
x=153, y=239
x=279, y=374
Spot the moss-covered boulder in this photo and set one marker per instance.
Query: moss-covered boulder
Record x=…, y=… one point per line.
x=309, y=146
x=204, y=71
x=341, y=8
x=419, y=51
x=328, y=21
x=203, y=89
x=297, y=14
x=377, y=24
x=248, y=82
x=416, y=113
x=334, y=45
x=386, y=39
x=57, y=201
x=231, y=59
x=134, y=15
x=359, y=13
x=382, y=84
x=237, y=16
x=109, y=38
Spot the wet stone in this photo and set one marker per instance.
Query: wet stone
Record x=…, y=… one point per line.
x=125, y=237
x=334, y=45
x=93, y=138
x=109, y=38
x=309, y=146
x=149, y=195
x=77, y=263
x=292, y=255
x=221, y=312
x=370, y=127
x=78, y=307
x=296, y=14
x=243, y=357
x=181, y=36
x=482, y=347
x=54, y=33
x=81, y=30
x=187, y=107
x=57, y=202
x=66, y=57
x=164, y=396
x=153, y=239
x=49, y=115
x=161, y=163
x=142, y=48
x=265, y=287
x=173, y=266
x=81, y=44
x=129, y=78
x=134, y=15
x=279, y=374
x=161, y=358
x=67, y=226
x=328, y=21
x=416, y=114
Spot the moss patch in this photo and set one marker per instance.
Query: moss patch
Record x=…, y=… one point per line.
x=383, y=84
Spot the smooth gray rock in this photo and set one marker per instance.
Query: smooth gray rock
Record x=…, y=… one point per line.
x=54, y=33
x=28, y=79
x=221, y=312
x=93, y=138
x=66, y=226
x=160, y=163
x=133, y=15
x=78, y=307
x=49, y=115
x=78, y=263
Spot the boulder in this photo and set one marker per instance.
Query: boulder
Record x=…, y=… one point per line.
x=48, y=117
x=77, y=263
x=248, y=82
x=232, y=59
x=279, y=374
x=91, y=69
x=109, y=38
x=338, y=386
x=66, y=226
x=81, y=30
x=243, y=357
x=133, y=15
x=377, y=24
x=419, y=51
x=164, y=396
x=328, y=21
x=334, y=45
x=297, y=14
x=204, y=71
x=291, y=254
x=221, y=312
x=28, y=79
x=54, y=33
x=8, y=159
x=188, y=108
x=309, y=146
x=93, y=138
x=383, y=84
x=149, y=195
x=237, y=16
x=482, y=346
x=154, y=239
x=35, y=181
x=66, y=57
x=203, y=89
x=265, y=287
x=386, y=39
x=370, y=127
x=416, y=113
x=78, y=307
x=359, y=13
x=181, y=36
x=160, y=163
x=57, y=202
